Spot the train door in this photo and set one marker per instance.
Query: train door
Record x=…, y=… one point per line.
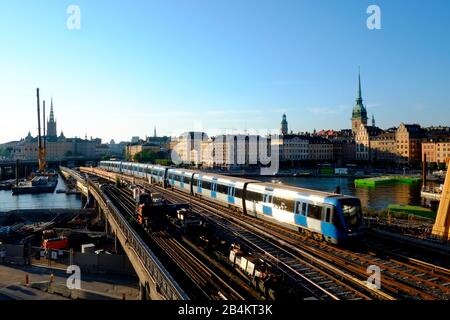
x=181, y=176
x=199, y=184
x=300, y=210
x=214, y=188
x=164, y=173
x=231, y=194
x=172, y=179
x=328, y=229
x=191, y=189
x=267, y=205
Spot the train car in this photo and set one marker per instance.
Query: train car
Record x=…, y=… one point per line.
x=180, y=179
x=139, y=170
x=110, y=165
x=158, y=175
x=325, y=216
x=225, y=190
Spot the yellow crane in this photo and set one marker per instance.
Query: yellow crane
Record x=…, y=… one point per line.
x=441, y=226
x=41, y=149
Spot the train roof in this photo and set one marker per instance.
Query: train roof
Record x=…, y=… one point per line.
x=182, y=170
x=245, y=180
x=298, y=189
x=225, y=177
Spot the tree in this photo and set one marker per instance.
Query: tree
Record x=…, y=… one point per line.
x=145, y=156
x=5, y=152
x=106, y=156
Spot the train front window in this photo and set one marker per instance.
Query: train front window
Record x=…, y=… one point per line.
x=351, y=210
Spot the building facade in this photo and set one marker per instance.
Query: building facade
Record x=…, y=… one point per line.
x=436, y=151
x=363, y=138
x=294, y=148
x=409, y=139
x=58, y=148
x=384, y=148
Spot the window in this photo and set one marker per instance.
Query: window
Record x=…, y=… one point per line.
x=221, y=188
x=238, y=193
x=301, y=208
x=284, y=204
x=351, y=209
x=328, y=215
x=268, y=197
x=253, y=196
x=315, y=212
x=206, y=185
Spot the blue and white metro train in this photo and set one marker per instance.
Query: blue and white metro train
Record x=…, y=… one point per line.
x=325, y=216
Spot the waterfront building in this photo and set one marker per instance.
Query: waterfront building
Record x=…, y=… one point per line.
x=384, y=148
x=240, y=150
x=436, y=151
x=363, y=138
x=57, y=148
x=344, y=150
x=320, y=149
x=186, y=148
x=409, y=139
x=294, y=148
x=60, y=149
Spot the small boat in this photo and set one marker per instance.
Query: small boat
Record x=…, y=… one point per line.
x=39, y=184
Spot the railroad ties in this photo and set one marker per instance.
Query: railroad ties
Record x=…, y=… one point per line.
x=322, y=270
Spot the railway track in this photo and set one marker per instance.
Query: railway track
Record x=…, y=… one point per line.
x=323, y=281
x=207, y=283
x=401, y=276
x=399, y=279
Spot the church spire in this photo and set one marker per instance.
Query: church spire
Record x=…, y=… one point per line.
x=284, y=125
x=359, y=96
x=51, y=124
x=52, y=115
x=154, y=132
x=359, y=114
x=373, y=120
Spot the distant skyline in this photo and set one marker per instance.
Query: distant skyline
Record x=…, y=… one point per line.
x=210, y=65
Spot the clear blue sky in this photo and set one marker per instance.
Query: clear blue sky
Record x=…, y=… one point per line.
x=220, y=64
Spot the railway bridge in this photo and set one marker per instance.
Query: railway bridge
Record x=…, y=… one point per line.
x=155, y=281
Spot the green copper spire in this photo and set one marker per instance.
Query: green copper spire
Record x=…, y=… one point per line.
x=359, y=98
x=359, y=111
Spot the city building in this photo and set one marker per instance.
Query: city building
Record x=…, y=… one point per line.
x=437, y=152
x=58, y=148
x=294, y=148
x=344, y=150
x=384, y=148
x=409, y=139
x=363, y=138
x=186, y=149
x=320, y=149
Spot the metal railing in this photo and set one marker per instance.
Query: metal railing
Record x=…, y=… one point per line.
x=166, y=285
x=74, y=175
